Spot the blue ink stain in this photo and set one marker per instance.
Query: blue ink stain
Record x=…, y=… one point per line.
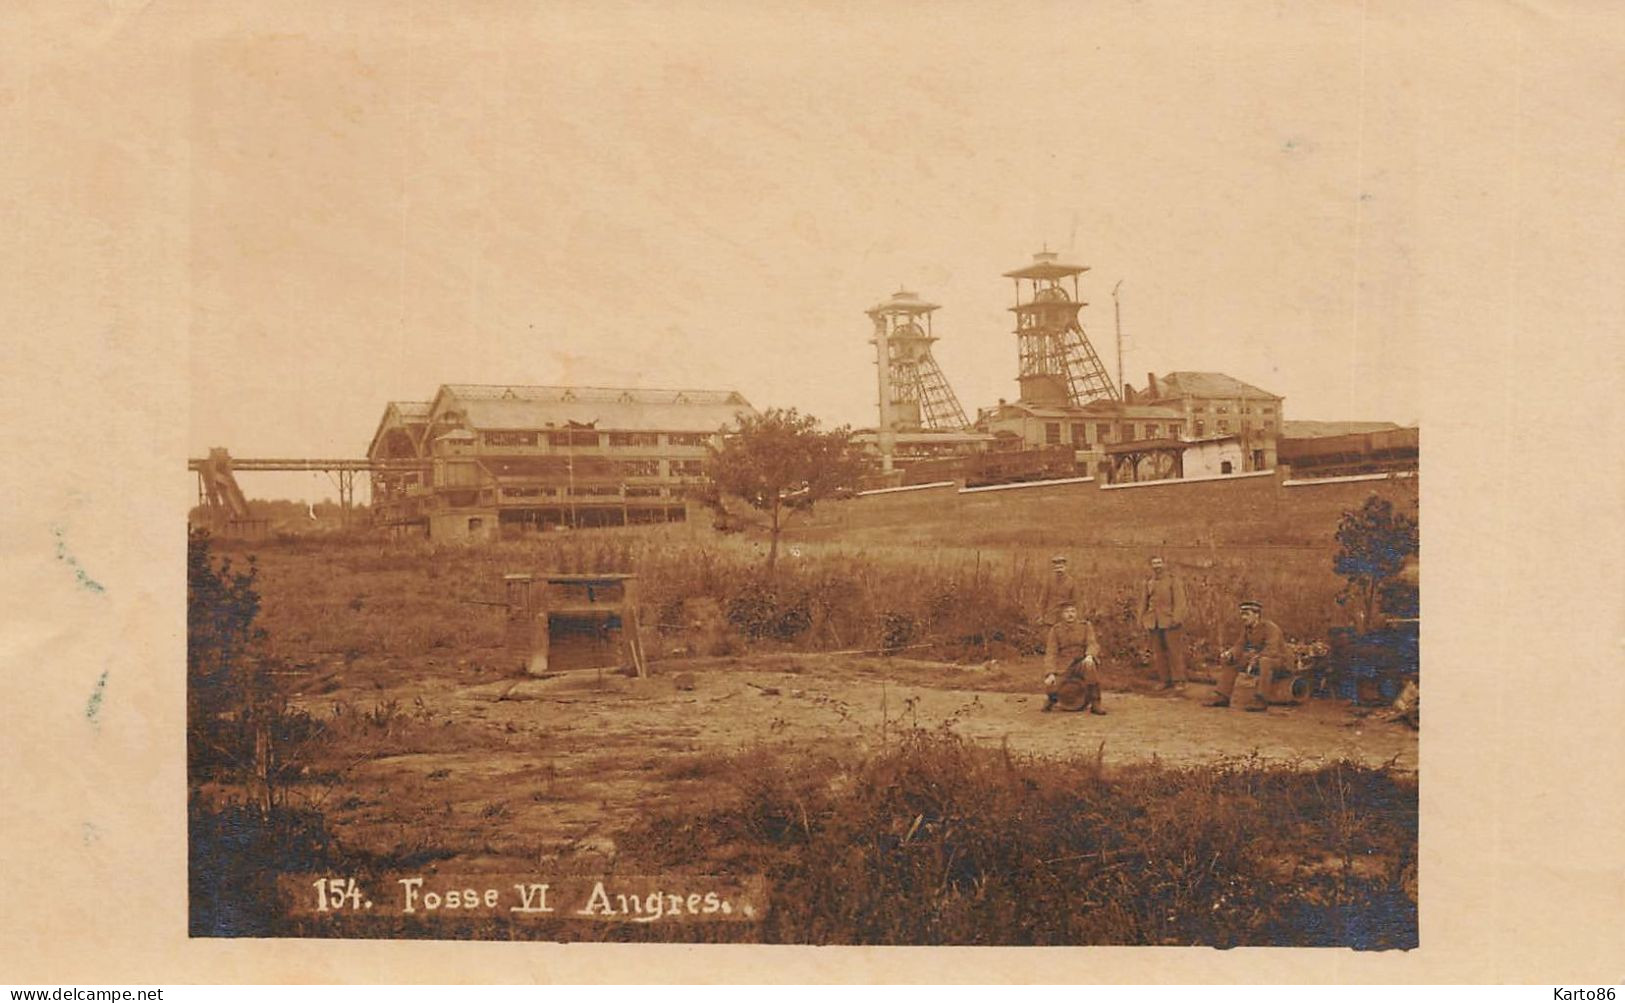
x=62, y=555
x=95, y=702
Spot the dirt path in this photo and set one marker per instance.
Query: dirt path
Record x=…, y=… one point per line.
x=499, y=772
x=729, y=708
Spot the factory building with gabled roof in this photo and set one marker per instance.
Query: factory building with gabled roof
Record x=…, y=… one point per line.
x=502, y=460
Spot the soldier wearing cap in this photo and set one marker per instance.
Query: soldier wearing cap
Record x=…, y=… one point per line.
x=1059, y=588
x=1261, y=648
x=1070, y=655
x=1163, y=608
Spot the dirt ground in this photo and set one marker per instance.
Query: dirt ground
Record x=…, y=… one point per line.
x=458, y=760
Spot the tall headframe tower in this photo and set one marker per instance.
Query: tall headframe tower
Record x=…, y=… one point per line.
x=914, y=394
x=1058, y=365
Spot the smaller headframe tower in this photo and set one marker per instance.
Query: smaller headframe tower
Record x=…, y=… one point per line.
x=1058, y=365
x=914, y=394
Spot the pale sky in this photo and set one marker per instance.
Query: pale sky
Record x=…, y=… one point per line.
x=612, y=196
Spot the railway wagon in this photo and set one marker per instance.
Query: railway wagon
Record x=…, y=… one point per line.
x=1355, y=453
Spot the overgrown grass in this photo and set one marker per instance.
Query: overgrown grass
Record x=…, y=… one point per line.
x=932, y=840
x=936, y=841
x=350, y=600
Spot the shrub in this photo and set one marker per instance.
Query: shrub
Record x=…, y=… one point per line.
x=935, y=841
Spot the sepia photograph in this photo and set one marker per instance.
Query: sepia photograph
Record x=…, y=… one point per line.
x=805, y=492
x=791, y=492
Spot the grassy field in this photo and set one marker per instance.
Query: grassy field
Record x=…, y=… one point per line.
x=956, y=603
x=858, y=729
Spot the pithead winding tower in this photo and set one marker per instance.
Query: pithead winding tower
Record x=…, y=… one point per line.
x=1058, y=365
x=913, y=392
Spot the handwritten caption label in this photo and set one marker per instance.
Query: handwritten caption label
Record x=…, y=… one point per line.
x=615, y=898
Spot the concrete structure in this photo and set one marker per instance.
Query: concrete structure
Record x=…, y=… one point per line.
x=1264, y=508
x=1213, y=457
x=494, y=459
x=1086, y=430
x=1213, y=404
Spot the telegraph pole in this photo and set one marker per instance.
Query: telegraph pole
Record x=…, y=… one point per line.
x=1117, y=315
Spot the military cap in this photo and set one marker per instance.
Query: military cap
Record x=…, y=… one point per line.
x=1252, y=604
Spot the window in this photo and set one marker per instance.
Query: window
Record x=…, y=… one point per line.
x=687, y=438
x=687, y=468
x=1226, y=467
x=634, y=439
x=639, y=468
x=573, y=437
x=1201, y=428
x=1103, y=432
x=1224, y=426
x=1268, y=409
x=1199, y=409
x=1221, y=409
x=1150, y=430
x=1052, y=433
x=1080, y=434
x=647, y=492
x=1269, y=424
x=510, y=438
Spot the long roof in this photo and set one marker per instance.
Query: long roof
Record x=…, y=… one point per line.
x=1092, y=410
x=409, y=412
x=1188, y=384
x=1322, y=429
x=609, y=408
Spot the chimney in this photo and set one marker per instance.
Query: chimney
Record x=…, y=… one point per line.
x=1151, y=386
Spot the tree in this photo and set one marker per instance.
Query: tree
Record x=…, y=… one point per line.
x=238, y=720
x=1374, y=542
x=780, y=463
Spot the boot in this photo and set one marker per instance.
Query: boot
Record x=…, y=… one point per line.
x=1049, y=704
x=1219, y=700
x=1094, y=699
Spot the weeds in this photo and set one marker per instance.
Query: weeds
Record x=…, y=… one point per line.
x=938, y=842
x=951, y=604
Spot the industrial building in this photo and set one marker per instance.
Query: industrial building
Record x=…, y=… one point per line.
x=1071, y=417
x=501, y=460
x=1211, y=405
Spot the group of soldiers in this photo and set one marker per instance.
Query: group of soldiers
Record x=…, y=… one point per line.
x=1072, y=648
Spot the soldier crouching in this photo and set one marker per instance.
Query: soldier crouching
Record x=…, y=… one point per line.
x=1071, y=652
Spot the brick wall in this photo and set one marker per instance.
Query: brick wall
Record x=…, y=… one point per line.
x=1246, y=509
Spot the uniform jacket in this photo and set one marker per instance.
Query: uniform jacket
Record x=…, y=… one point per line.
x=1068, y=642
x=1056, y=591
x=1263, y=638
x=1162, y=603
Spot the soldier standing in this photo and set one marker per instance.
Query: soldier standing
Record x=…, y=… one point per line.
x=1163, y=608
x=1059, y=588
x=1261, y=649
x=1070, y=656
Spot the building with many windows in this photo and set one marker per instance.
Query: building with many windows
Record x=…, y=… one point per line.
x=507, y=459
x=1211, y=405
